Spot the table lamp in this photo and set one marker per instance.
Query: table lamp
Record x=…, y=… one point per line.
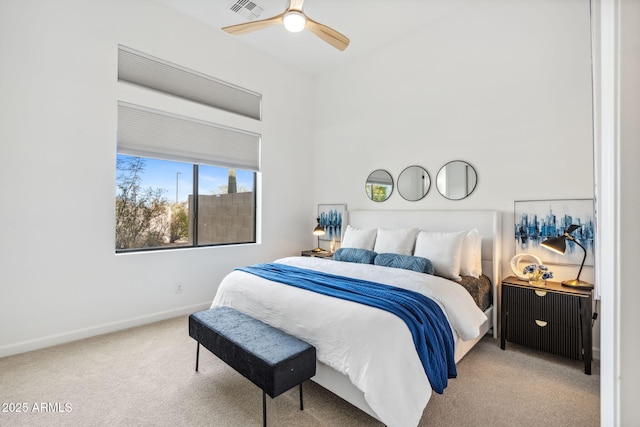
x=559, y=245
x=318, y=231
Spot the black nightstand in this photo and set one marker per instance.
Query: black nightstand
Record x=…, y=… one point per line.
x=318, y=254
x=551, y=318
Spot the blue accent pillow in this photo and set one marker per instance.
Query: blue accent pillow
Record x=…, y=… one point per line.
x=408, y=262
x=362, y=256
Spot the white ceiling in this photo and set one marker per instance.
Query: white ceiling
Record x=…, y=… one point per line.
x=369, y=24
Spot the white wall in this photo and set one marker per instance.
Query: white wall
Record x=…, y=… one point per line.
x=60, y=278
x=502, y=84
x=617, y=65
x=627, y=289
x=618, y=61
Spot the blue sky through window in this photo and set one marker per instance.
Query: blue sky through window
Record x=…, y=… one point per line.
x=163, y=174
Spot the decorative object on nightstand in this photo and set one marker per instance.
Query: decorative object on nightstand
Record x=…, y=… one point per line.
x=559, y=245
x=538, y=274
x=517, y=265
x=318, y=231
x=555, y=319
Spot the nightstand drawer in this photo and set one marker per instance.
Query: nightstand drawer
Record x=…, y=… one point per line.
x=549, y=337
x=541, y=304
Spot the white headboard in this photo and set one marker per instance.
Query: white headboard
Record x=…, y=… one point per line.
x=488, y=223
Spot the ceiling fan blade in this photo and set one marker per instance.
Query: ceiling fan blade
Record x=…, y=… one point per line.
x=249, y=27
x=329, y=35
x=295, y=5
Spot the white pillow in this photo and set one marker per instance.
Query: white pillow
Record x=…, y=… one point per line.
x=443, y=250
x=359, y=238
x=399, y=241
x=471, y=257
x=478, y=269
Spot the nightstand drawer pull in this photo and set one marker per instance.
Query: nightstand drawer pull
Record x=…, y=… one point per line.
x=541, y=323
x=541, y=293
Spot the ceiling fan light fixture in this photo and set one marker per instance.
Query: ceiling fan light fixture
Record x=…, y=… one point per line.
x=294, y=21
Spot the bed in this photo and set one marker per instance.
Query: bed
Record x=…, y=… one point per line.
x=367, y=355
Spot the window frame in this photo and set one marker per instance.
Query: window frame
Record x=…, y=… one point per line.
x=194, y=216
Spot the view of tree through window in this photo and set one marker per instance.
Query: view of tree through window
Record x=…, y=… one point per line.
x=155, y=204
x=377, y=193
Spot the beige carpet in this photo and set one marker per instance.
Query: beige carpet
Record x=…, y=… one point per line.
x=145, y=377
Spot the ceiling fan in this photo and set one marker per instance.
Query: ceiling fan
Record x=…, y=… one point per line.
x=294, y=20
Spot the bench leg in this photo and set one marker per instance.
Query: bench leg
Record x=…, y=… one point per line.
x=197, y=354
x=301, y=405
x=264, y=409
x=264, y=405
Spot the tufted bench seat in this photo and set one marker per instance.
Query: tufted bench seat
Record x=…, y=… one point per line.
x=270, y=358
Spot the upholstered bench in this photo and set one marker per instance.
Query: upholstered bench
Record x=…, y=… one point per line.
x=270, y=358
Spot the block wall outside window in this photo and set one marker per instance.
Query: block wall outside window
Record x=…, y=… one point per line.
x=225, y=218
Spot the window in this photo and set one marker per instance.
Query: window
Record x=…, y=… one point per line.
x=183, y=182
x=163, y=204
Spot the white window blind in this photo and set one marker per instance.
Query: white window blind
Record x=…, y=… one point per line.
x=154, y=73
x=147, y=132
x=380, y=177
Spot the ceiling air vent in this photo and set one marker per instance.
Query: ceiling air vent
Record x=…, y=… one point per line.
x=246, y=8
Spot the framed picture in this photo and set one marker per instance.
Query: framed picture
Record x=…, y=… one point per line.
x=331, y=219
x=537, y=220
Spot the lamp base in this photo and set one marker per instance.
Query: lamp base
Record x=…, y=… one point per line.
x=318, y=249
x=578, y=284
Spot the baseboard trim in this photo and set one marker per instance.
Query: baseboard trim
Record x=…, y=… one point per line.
x=78, y=334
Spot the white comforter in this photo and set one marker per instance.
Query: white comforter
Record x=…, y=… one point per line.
x=373, y=347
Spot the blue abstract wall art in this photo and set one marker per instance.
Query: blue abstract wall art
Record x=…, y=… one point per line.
x=537, y=220
x=331, y=219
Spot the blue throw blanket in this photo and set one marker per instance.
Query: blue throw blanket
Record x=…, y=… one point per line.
x=429, y=327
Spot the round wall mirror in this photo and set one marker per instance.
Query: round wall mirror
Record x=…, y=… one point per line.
x=414, y=183
x=456, y=180
x=379, y=185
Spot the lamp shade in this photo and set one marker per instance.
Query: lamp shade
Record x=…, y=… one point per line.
x=556, y=244
x=319, y=230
